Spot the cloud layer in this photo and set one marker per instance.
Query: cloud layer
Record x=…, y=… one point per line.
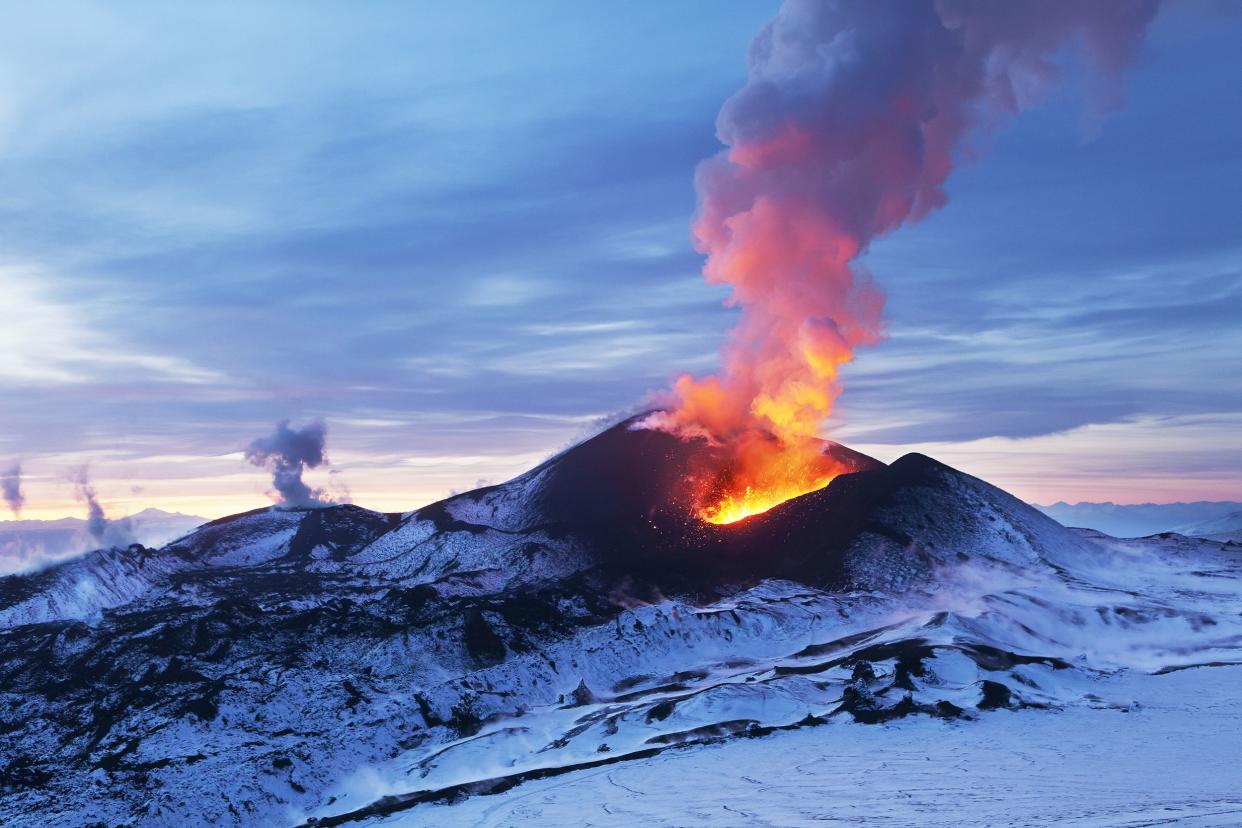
x=343, y=216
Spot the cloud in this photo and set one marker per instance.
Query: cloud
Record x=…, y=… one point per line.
x=287, y=452
x=1136, y=459
x=47, y=341
x=386, y=170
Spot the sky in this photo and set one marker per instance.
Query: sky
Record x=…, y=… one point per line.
x=459, y=235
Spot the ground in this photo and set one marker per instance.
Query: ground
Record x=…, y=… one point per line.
x=1174, y=757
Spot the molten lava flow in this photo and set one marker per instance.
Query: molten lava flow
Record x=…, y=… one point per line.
x=852, y=119
x=733, y=506
x=763, y=471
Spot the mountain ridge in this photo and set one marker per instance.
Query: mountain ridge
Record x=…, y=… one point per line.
x=1137, y=519
x=257, y=668
x=32, y=544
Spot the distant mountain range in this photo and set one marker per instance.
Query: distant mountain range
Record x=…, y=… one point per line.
x=27, y=544
x=1143, y=519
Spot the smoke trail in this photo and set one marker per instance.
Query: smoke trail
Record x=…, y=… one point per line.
x=105, y=532
x=287, y=452
x=11, y=488
x=853, y=116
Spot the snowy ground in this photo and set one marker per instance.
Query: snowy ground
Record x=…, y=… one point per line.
x=1173, y=758
x=909, y=647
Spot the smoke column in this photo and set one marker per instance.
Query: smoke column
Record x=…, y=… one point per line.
x=287, y=451
x=103, y=531
x=11, y=488
x=852, y=118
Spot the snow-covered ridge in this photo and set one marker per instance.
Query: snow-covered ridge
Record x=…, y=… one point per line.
x=32, y=544
x=342, y=665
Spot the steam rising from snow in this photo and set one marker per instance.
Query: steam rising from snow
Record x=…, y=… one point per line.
x=287, y=452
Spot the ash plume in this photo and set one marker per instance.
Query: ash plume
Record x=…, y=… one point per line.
x=11, y=488
x=105, y=532
x=853, y=117
x=287, y=452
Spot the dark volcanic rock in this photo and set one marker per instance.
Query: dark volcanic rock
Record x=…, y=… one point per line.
x=148, y=686
x=887, y=528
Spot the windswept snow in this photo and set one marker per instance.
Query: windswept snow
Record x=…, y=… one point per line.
x=1171, y=756
x=907, y=629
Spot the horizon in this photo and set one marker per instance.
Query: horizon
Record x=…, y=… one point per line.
x=343, y=219
x=26, y=518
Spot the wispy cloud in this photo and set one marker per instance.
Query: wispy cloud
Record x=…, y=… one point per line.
x=47, y=340
x=1129, y=460
x=341, y=215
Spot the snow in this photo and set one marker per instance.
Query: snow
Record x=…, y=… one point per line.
x=1226, y=528
x=82, y=588
x=280, y=666
x=1122, y=633
x=1173, y=755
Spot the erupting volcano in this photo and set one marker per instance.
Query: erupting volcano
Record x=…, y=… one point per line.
x=704, y=612
x=851, y=120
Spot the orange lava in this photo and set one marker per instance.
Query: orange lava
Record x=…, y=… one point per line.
x=805, y=310
x=735, y=506
x=763, y=471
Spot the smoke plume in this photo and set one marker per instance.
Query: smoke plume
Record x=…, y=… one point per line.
x=852, y=118
x=287, y=451
x=105, y=532
x=11, y=488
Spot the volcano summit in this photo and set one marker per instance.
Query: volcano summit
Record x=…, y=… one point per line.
x=339, y=666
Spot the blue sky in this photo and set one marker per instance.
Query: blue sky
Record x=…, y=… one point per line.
x=459, y=235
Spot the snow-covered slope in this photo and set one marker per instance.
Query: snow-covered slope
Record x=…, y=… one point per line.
x=1170, y=756
x=345, y=666
x=82, y=587
x=1226, y=528
x=28, y=544
x=231, y=552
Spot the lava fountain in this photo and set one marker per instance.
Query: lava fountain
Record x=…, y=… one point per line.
x=852, y=118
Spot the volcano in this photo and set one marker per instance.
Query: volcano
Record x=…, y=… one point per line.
x=338, y=666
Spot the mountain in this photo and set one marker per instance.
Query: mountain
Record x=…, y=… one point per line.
x=1226, y=528
x=29, y=544
x=1137, y=520
x=341, y=666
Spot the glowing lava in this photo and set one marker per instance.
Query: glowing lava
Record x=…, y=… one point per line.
x=734, y=507
x=764, y=472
